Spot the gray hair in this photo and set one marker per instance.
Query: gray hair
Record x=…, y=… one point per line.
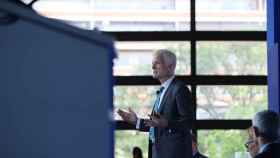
x=268, y=124
x=168, y=56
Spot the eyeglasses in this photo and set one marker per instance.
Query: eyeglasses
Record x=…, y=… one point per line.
x=248, y=143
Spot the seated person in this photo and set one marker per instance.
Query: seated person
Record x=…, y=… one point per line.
x=196, y=153
x=266, y=127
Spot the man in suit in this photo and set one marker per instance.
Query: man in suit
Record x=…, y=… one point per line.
x=196, y=153
x=172, y=115
x=266, y=128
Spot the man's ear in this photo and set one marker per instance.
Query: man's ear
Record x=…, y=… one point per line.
x=251, y=133
x=171, y=68
x=256, y=131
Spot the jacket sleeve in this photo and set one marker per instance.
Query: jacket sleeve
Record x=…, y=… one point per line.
x=142, y=127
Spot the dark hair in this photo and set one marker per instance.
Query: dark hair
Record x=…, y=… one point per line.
x=137, y=152
x=268, y=123
x=194, y=138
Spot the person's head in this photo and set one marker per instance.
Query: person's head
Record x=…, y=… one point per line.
x=164, y=64
x=266, y=126
x=137, y=152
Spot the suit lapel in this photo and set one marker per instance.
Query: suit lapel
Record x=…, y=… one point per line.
x=166, y=95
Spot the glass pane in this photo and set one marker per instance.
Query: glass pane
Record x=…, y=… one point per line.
x=26, y=1
x=121, y=15
x=223, y=143
x=135, y=58
x=126, y=140
x=230, y=102
x=140, y=98
x=231, y=58
x=231, y=15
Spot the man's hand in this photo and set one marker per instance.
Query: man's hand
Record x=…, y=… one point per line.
x=252, y=144
x=252, y=147
x=129, y=116
x=156, y=120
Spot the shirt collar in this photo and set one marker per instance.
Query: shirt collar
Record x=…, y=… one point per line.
x=167, y=82
x=262, y=148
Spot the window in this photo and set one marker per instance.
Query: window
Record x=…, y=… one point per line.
x=139, y=98
x=228, y=15
x=221, y=54
x=230, y=102
x=231, y=58
x=134, y=4
x=218, y=143
x=121, y=15
x=123, y=148
x=135, y=58
x=141, y=26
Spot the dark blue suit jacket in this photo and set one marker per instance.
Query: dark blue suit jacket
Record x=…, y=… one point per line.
x=271, y=151
x=174, y=141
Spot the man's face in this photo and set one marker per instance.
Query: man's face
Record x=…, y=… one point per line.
x=160, y=69
x=252, y=144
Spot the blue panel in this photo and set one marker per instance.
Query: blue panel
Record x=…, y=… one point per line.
x=56, y=92
x=273, y=54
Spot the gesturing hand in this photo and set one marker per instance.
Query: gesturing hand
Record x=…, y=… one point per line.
x=156, y=121
x=129, y=116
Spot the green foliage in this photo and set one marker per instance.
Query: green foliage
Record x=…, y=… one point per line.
x=221, y=144
x=126, y=140
x=234, y=58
